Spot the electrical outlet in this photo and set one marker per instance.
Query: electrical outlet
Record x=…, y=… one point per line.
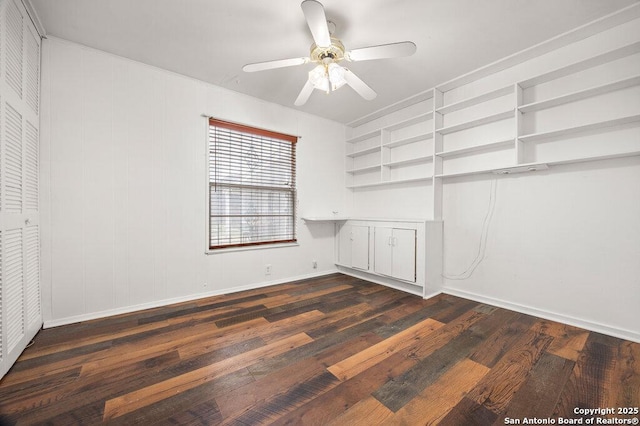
x=267, y=269
x=315, y=264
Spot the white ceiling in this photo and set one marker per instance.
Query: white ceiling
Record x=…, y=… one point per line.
x=212, y=39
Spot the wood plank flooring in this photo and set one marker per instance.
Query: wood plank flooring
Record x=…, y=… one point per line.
x=333, y=350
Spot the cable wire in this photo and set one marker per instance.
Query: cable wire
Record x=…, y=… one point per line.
x=484, y=235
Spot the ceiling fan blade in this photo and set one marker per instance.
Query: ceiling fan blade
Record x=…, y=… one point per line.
x=303, y=97
x=359, y=85
x=392, y=50
x=269, y=65
x=317, y=21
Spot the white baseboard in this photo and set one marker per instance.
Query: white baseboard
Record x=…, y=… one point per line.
x=158, y=303
x=553, y=316
x=588, y=325
x=387, y=282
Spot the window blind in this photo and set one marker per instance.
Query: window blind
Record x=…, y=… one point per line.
x=252, y=186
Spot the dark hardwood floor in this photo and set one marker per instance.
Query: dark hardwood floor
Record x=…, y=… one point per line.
x=328, y=351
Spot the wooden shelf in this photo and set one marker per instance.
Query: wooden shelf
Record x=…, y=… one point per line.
x=581, y=94
x=477, y=122
x=389, y=182
x=579, y=129
x=416, y=160
x=364, y=151
x=465, y=103
x=364, y=169
x=576, y=67
x=412, y=139
x=476, y=148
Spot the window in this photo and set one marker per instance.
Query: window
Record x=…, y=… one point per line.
x=252, y=186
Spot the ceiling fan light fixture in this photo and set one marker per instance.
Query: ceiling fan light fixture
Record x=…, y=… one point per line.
x=320, y=79
x=336, y=76
x=327, y=77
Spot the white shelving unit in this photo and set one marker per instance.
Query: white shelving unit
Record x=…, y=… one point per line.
x=456, y=106
x=395, y=153
x=580, y=129
x=581, y=94
x=423, y=159
x=476, y=148
x=406, y=141
x=543, y=120
x=364, y=151
x=475, y=123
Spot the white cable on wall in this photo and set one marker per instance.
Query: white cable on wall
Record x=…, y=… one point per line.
x=484, y=235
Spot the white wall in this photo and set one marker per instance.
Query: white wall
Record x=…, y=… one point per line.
x=563, y=244
x=124, y=187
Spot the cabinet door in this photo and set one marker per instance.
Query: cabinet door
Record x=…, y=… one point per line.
x=383, y=251
x=344, y=245
x=360, y=247
x=403, y=262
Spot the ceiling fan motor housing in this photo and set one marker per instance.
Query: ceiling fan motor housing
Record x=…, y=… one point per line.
x=335, y=52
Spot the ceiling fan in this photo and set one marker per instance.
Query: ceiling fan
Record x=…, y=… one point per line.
x=327, y=52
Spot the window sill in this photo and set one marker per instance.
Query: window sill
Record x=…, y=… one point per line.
x=248, y=248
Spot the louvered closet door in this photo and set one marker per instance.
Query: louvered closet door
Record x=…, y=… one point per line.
x=20, y=310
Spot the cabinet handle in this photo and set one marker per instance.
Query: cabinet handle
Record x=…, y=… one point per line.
x=390, y=241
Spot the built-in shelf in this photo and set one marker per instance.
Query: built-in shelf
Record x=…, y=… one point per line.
x=392, y=127
x=477, y=122
x=581, y=94
x=364, y=151
x=415, y=160
x=575, y=67
x=421, y=133
x=364, y=169
x=364, y=136
x=476, y=148
x=409, y=121
x=580, y=129
x=541, y=165
x=324, y=218
x=412, y=139
x=386, y=146
x=517, y=168
x=465, y=103
x=465, y=173
x=595, y=158
x=390, y=182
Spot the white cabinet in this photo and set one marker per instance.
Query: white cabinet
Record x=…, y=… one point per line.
x=405, y=254
x=353, y=249
x=395, y=253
